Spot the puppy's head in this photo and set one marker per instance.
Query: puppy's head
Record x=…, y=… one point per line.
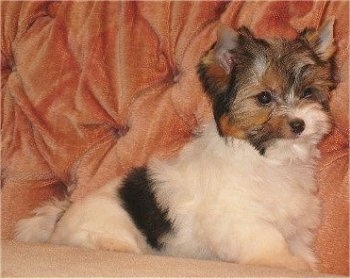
x=263, y=90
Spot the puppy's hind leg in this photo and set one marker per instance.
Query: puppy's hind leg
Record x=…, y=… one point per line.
x=267, y=246
x=99, y=222
x=261, y=245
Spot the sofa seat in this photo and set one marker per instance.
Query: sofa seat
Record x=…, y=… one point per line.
x=47, y=260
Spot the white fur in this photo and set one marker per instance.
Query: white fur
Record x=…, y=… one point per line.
x=98, y=221
x=226, y=201
x=40, y=227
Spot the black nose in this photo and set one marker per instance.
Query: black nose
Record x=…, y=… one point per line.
x=297, y=125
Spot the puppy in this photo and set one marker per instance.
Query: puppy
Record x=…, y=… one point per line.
x=243, y=191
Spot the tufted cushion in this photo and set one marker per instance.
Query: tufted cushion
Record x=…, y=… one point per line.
x=90, y=90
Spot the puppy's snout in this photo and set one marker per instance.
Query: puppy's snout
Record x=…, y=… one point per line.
x=297, y=125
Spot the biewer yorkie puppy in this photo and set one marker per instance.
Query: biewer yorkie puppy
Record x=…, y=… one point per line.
x=243, y=190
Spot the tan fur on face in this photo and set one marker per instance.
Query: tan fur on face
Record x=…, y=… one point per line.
x=239, y=67
x=247, y=116
x=238, y=129
x=282, y=68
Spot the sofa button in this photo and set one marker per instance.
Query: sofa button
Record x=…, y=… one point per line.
x=52, y=9
x=176, y=75
x=120, y=131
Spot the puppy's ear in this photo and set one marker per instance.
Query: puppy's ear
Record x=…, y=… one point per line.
x=227, y=41
x=321, y=40
x=216, y=65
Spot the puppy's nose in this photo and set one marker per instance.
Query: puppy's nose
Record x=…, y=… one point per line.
x=297, y=125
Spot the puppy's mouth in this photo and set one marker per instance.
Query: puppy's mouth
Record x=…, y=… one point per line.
x=264, y=136
x=261, y=139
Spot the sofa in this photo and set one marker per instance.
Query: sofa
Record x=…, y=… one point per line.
x=90, y=90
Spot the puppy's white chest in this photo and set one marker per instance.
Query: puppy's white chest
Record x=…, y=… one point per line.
x=219, y=188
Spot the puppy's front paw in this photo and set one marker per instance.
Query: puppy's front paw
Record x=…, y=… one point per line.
x=295, y=263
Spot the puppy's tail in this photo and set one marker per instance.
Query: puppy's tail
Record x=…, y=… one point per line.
x=40, y=227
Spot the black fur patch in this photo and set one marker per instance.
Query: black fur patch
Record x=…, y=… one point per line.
x=222, y=103
x=221, y=100
x=137, y=196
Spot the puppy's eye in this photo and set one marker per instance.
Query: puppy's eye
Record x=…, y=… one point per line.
x=308, y=93
x=265, y=97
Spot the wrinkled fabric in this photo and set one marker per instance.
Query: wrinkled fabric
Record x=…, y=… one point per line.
x=91, y=89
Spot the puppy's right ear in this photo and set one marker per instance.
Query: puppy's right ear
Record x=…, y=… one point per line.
x=216, y=65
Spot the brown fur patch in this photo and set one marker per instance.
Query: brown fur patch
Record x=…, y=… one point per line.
x=273, y=81
x=214, y=75
x=241, y=127
x=227, y=128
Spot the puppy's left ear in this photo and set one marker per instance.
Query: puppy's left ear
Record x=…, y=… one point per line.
x=216, y=65
x=321, y=40
x=227, y=41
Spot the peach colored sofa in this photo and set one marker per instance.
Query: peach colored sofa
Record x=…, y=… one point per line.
x=91, y=89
